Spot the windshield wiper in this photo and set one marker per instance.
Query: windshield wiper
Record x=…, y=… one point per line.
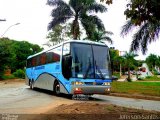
x=101, y=74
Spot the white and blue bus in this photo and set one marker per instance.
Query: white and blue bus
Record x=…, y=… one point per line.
x=72, y=67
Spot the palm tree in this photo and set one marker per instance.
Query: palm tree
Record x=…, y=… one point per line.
x=143, y=15
x=148, y=32
x=129, y=60
x=101, y=36
x=151, y=61
x=158, y=63
x=77, y=10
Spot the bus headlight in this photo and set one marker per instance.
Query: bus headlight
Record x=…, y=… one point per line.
x=107, y=83
x=77, y=83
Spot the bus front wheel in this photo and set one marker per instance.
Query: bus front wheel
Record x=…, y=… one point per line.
x=57, y=88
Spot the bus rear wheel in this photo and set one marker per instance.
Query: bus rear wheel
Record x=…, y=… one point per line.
x=57, y=88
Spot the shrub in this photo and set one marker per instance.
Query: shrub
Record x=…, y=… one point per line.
x=116, y=74
x=148, y=77
x=19, y=73
x=141, y=78
x=129, y=80
x=5, y=77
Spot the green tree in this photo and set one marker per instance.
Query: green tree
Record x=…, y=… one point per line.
x=151, y=61
x=60, y=33
x=158, y=62
x=114, y=54
x=14, y=54
x=129, y=62
x=78, y=10
x=117, y=61
x=144, y=15
x=55, y=35
x=6, y=55
x=101, y=36
x=22, y=50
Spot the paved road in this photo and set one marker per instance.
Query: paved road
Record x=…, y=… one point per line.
x=18, y=98
x=130, y=102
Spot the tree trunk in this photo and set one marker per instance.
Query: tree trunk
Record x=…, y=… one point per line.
x=120, y=70
x=75, y=28
x=129, y=75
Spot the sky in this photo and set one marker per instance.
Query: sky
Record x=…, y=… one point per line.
x=34, y=16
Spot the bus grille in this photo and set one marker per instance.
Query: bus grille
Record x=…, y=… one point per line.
x=92, y=83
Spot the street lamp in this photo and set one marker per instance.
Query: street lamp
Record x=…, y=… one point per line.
x=3, y=20
x=9, y=28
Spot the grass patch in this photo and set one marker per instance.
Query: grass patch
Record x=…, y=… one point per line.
x=142, y=88
x=110, y=108
x=6, y=77
x=152, y=78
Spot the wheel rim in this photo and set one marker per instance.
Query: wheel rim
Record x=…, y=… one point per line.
x=57, y=89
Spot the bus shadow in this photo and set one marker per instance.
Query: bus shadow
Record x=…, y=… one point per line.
x=66, y=96
x=96, y=99
x=51, y=93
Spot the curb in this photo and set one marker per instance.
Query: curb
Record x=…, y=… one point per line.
x=145, y=97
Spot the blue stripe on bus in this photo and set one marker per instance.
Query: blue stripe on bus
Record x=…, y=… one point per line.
x=101, y=81
x=39, y=67
x=57, y=67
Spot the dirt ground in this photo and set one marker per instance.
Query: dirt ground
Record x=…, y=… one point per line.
x=94, y=111
x=18, y=98
x=10, y=81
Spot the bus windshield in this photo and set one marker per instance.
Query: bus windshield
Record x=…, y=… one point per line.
x=90, y=61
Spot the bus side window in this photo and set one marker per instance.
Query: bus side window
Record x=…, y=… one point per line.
x=49, y=57
x=56, y=57
x=53, y=55
x=29, y=63
x=33, y=62
x=38, y=62
x=56, y=54
x=43, y=59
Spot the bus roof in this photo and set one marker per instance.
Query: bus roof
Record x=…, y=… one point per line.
x=69, y=41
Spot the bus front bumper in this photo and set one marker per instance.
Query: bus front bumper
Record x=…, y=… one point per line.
x=90, y=89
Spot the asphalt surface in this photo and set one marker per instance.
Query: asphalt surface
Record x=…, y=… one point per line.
x=130, y=102
x=18, y=98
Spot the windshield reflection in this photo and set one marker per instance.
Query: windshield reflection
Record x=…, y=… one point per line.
x=89, y=61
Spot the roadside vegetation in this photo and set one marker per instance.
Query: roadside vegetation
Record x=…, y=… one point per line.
x=13, y=56
x=152, y=78
x=127, y=65
x=140, y=88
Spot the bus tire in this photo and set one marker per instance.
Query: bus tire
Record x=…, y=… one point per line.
x=57, y=88
x=31, y=84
